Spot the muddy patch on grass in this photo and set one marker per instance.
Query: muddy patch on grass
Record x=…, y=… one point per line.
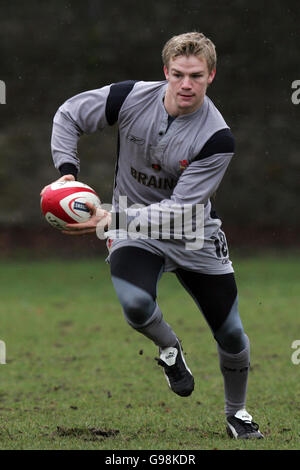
x=87, y=434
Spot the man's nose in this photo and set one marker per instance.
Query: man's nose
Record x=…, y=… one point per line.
x=186, y=83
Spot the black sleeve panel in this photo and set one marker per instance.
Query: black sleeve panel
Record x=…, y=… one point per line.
x=220, y=142
x=117, y=95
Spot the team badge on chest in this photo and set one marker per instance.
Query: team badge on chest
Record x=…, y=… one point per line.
x=183, y=164
x=156, y=167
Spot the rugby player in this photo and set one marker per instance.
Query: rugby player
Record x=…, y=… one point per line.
x=174, y=147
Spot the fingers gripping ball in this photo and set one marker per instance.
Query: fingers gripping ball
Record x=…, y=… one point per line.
x=63, y=202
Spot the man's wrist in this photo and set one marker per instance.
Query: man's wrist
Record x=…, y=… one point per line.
x=68, y=169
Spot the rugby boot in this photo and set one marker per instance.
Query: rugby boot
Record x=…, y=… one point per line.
x=177, y=373
x=241, y=426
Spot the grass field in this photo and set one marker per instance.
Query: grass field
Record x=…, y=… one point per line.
x=78, y=377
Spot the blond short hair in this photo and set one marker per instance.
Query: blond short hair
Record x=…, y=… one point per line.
x=187, y=44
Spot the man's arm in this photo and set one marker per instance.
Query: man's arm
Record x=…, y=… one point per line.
x=203, y=176
x=195, y=187
x=199, y=181
x=84, y=113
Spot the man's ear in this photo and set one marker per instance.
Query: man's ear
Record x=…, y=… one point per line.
x=166, y=72
x=211, y=76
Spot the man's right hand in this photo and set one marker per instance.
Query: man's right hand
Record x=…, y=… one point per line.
x=62, y=178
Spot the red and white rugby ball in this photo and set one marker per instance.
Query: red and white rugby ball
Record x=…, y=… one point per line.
x=63, y=202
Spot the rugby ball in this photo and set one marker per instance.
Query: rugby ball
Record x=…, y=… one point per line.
x=63, y=202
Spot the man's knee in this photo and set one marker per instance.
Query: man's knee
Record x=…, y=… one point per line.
x=138, y=308
x=231, y=336
x=232, y=340
x=138, y=305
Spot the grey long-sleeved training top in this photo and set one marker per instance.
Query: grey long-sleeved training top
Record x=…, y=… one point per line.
x=161, y=161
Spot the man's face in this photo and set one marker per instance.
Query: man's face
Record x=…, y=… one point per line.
x=188, y=79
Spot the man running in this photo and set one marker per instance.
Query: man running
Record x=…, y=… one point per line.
x=174, y=147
